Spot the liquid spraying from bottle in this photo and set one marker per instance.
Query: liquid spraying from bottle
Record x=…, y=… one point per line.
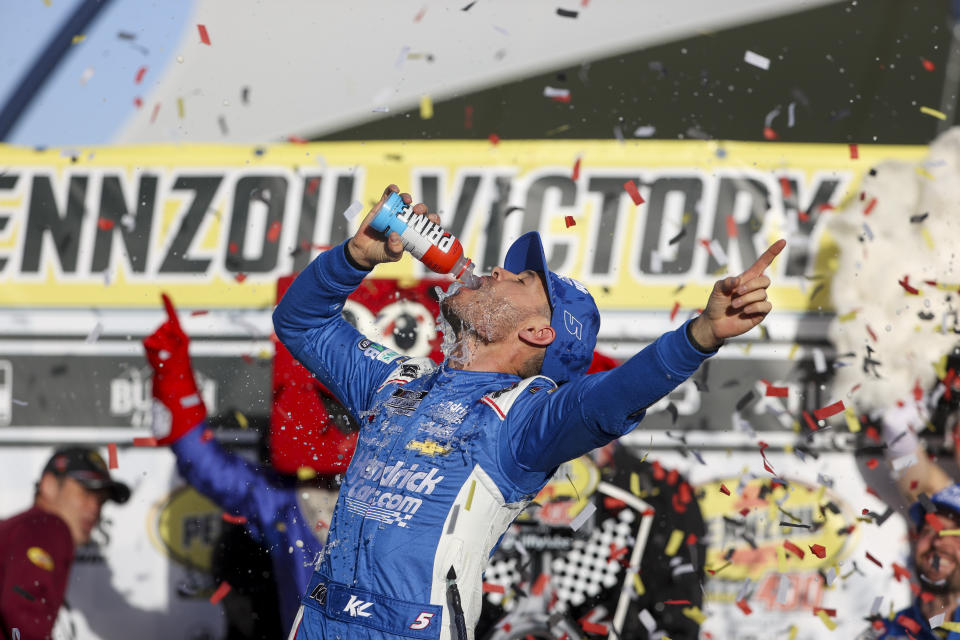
x=426, y=240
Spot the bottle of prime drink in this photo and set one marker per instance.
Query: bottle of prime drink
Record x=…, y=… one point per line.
x=426, y=240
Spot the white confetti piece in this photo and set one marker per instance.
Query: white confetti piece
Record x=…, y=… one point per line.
x=381, y=110
x=128, y=222
x=582, y=517
x=756, y=59
x=554, y=92
x=716, y=250
x=904, y=461
x=648, y=621
x=825, y=480
x=783, y=590
x=20, y=403
x=937, y=620
x=351, y=212
x=819, y=361
x=791, y=115
x=875, y=608
x=618, y=133
x=744, y=591
x=94, y=334
x=644, y=131
x=404, y=52
x=86, y=75
x=831, y=576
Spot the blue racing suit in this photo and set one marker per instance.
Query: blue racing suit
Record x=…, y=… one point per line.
x=445, y=461
x=269, y=504
x=910, y=623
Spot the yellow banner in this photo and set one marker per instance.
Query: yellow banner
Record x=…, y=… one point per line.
x=646, y=225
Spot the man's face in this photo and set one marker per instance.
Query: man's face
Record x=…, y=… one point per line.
x=502, y=303
x=77, y=505
x=938, y=557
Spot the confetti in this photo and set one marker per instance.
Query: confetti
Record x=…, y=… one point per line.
x=756, y=60
x=240, y=277
x=830, y=624
x=305, y=473
x=870, y=207
x=724, y=490
x=77, y=39
x=156, y=110
x=489, y=587
x=872, y=559
x=905, y=283
x=673, y=544
x=777, y=392
x=467, y=8
x=569, y=221
x=351, y=212
x=731, y=227
x=818, y=550
x=935, y=523
x=794, y=549
x=939, y=115
x=744, y=607
x=644, y=131
x=232, y=519
x=566, y=13
x=558, y=94
x=204, y=36
x=105, y=224
x=140, y=73
x=426, y=107
x=951, y=626
x=94, y=334
x=540, y=584
x=854, y=152
x=145, y=442
x=273, y=233
x=694, y=614
x=576, y=170
x=494, y=139
x=112, y=456
x=221, y=591
x=853, y=422
x=770, y=134
x=673, y=312
x=937, y=620
x=631, y=188
x=830, y=410
x=180, y=109
x=950, y=532
x=241, y=420
x=581, y=518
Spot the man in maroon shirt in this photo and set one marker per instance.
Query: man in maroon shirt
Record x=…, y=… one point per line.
x=37, y=546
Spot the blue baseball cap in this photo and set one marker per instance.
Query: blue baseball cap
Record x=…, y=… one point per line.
x=576, y=319
x=948, y=498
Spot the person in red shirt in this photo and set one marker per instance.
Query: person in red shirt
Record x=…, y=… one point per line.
x=37, y=546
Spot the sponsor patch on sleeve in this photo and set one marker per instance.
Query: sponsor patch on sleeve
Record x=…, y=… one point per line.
x=41, y=558
x=378, y=352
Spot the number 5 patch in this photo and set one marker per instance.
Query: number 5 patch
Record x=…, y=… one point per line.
x=422, y=621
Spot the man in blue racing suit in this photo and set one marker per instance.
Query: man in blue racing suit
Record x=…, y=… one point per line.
x=449, y=455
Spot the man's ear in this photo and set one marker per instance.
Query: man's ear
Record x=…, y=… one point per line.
x=48, y=487
x=538, y=334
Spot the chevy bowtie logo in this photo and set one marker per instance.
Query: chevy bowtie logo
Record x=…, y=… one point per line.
x=357, y=607
x=428, y=447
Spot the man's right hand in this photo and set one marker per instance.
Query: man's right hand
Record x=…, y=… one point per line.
x=368, y=247
x=177, y=405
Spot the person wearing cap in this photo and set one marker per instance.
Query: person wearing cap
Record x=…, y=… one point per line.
x=37, y=546
x=449, y=455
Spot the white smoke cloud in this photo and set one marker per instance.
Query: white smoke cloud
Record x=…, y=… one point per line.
x=879, y=249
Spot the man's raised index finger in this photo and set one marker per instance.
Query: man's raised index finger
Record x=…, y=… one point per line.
x=764, y=260
x=171, y=311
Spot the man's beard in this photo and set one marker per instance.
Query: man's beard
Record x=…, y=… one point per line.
x=949, y=584
x=487, y=318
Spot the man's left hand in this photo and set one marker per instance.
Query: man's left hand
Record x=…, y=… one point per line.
x=737, y=303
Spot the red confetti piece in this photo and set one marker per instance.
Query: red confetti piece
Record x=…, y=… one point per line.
x=631, y=187
x=872, y=333
x=616, y=552
x=313, y=185
x=199, y=312
x=873, y=560
x=565, y=98
x=540, y=584
x=240, y=277
x=112, y=456
x=232, y=519
x=770, y=134
x=489, y=587
x=905, y=283
x=468, y=117
x=872, y=463
x=873, y=492
x=691, y=539
x=420, y=14
x=683, y=602
x=809, y=421
x=156, y=110
x=909, y=624
x=138, y=102
x=777, y=392
x=803, y=216
x=494, y=138
x=870, y=206
x=206, y=435
x=830, y=612
x=928, y=65
x=935, y=523
x=204, y=36
x=273, y=233
x=786, y=188
x=724, y=490
x=744, y=607
x=673, y=312
x=576, y=170
x=140, y=73
x=732, y=230
x=221, y=591
x=854, y=152
x=873, y=434
x=818, y=550
x=794, y=549
x=594, y=627
x=927, y=597
x=569, y=221
x=145, y=442
x=105, y=224
x=830, y=410
x=297, y=140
